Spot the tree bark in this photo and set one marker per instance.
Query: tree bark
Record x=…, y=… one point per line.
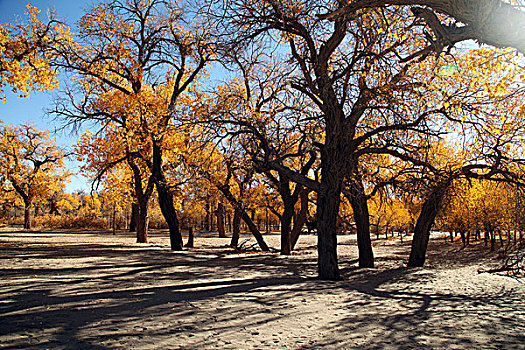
x=236, y=230
x=424, y=223
x=27, y=215
x=207, y=218
x=133, y=218
x=220, y=220
x=286, y=223
x=142, y=222
x=166, y=198
x=142, y=196
x=328, y=200
x=359, y=205
x=301, y=218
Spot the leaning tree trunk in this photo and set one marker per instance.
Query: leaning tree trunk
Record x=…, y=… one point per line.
x=166, y=199
x=301, y=218
x=220, y=220
x=359, y=205
x=225, y=189
x=424, y=223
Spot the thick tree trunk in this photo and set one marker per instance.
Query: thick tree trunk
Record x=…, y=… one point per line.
x=328, y=200
x=220, y=220
x=359, y=205
x=236, y=230
x=170, y=215
x=166, y=198
x=142, y=222
x=424, y=223
x=27, y=215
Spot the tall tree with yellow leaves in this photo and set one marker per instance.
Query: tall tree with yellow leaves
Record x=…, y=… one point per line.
x=136, y=63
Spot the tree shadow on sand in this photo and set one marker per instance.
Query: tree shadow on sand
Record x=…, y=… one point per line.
x=103, y=297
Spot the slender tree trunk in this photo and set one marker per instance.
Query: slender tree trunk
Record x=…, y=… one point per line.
x=424, y=223
x=220, y=220
x=236, y=230
x=225, y=189
x=133, y=218
x=359, y=205
x=286, y=223
x=166, y=198
x=114, y=223
x=207, y=219
x=301, y=218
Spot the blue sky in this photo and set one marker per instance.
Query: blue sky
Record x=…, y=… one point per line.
x=17, y=110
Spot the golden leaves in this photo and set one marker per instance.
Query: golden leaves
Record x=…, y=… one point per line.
x=25, y=55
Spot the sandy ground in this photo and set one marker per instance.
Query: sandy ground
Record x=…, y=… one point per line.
x=97, y=291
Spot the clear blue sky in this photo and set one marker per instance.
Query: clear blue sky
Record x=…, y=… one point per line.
x=17, y=110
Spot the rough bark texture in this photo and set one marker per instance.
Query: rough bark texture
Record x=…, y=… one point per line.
x=286, y=223
x=328, y=201
x=424, y=223
x=359, y=205
x=142, y=196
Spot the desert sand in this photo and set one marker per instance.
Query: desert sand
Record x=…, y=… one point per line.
x=93, y=290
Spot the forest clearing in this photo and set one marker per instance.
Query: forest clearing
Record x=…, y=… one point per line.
x=95, y=290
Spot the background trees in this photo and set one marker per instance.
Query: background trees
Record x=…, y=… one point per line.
x=31, y=164
x=367, y=100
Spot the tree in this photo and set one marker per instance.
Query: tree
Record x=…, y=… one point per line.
x=147, y=55
x=25, y=57
x=362, y=77
x=32, y=164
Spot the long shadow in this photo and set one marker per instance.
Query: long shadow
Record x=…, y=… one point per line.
x=128, y=295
